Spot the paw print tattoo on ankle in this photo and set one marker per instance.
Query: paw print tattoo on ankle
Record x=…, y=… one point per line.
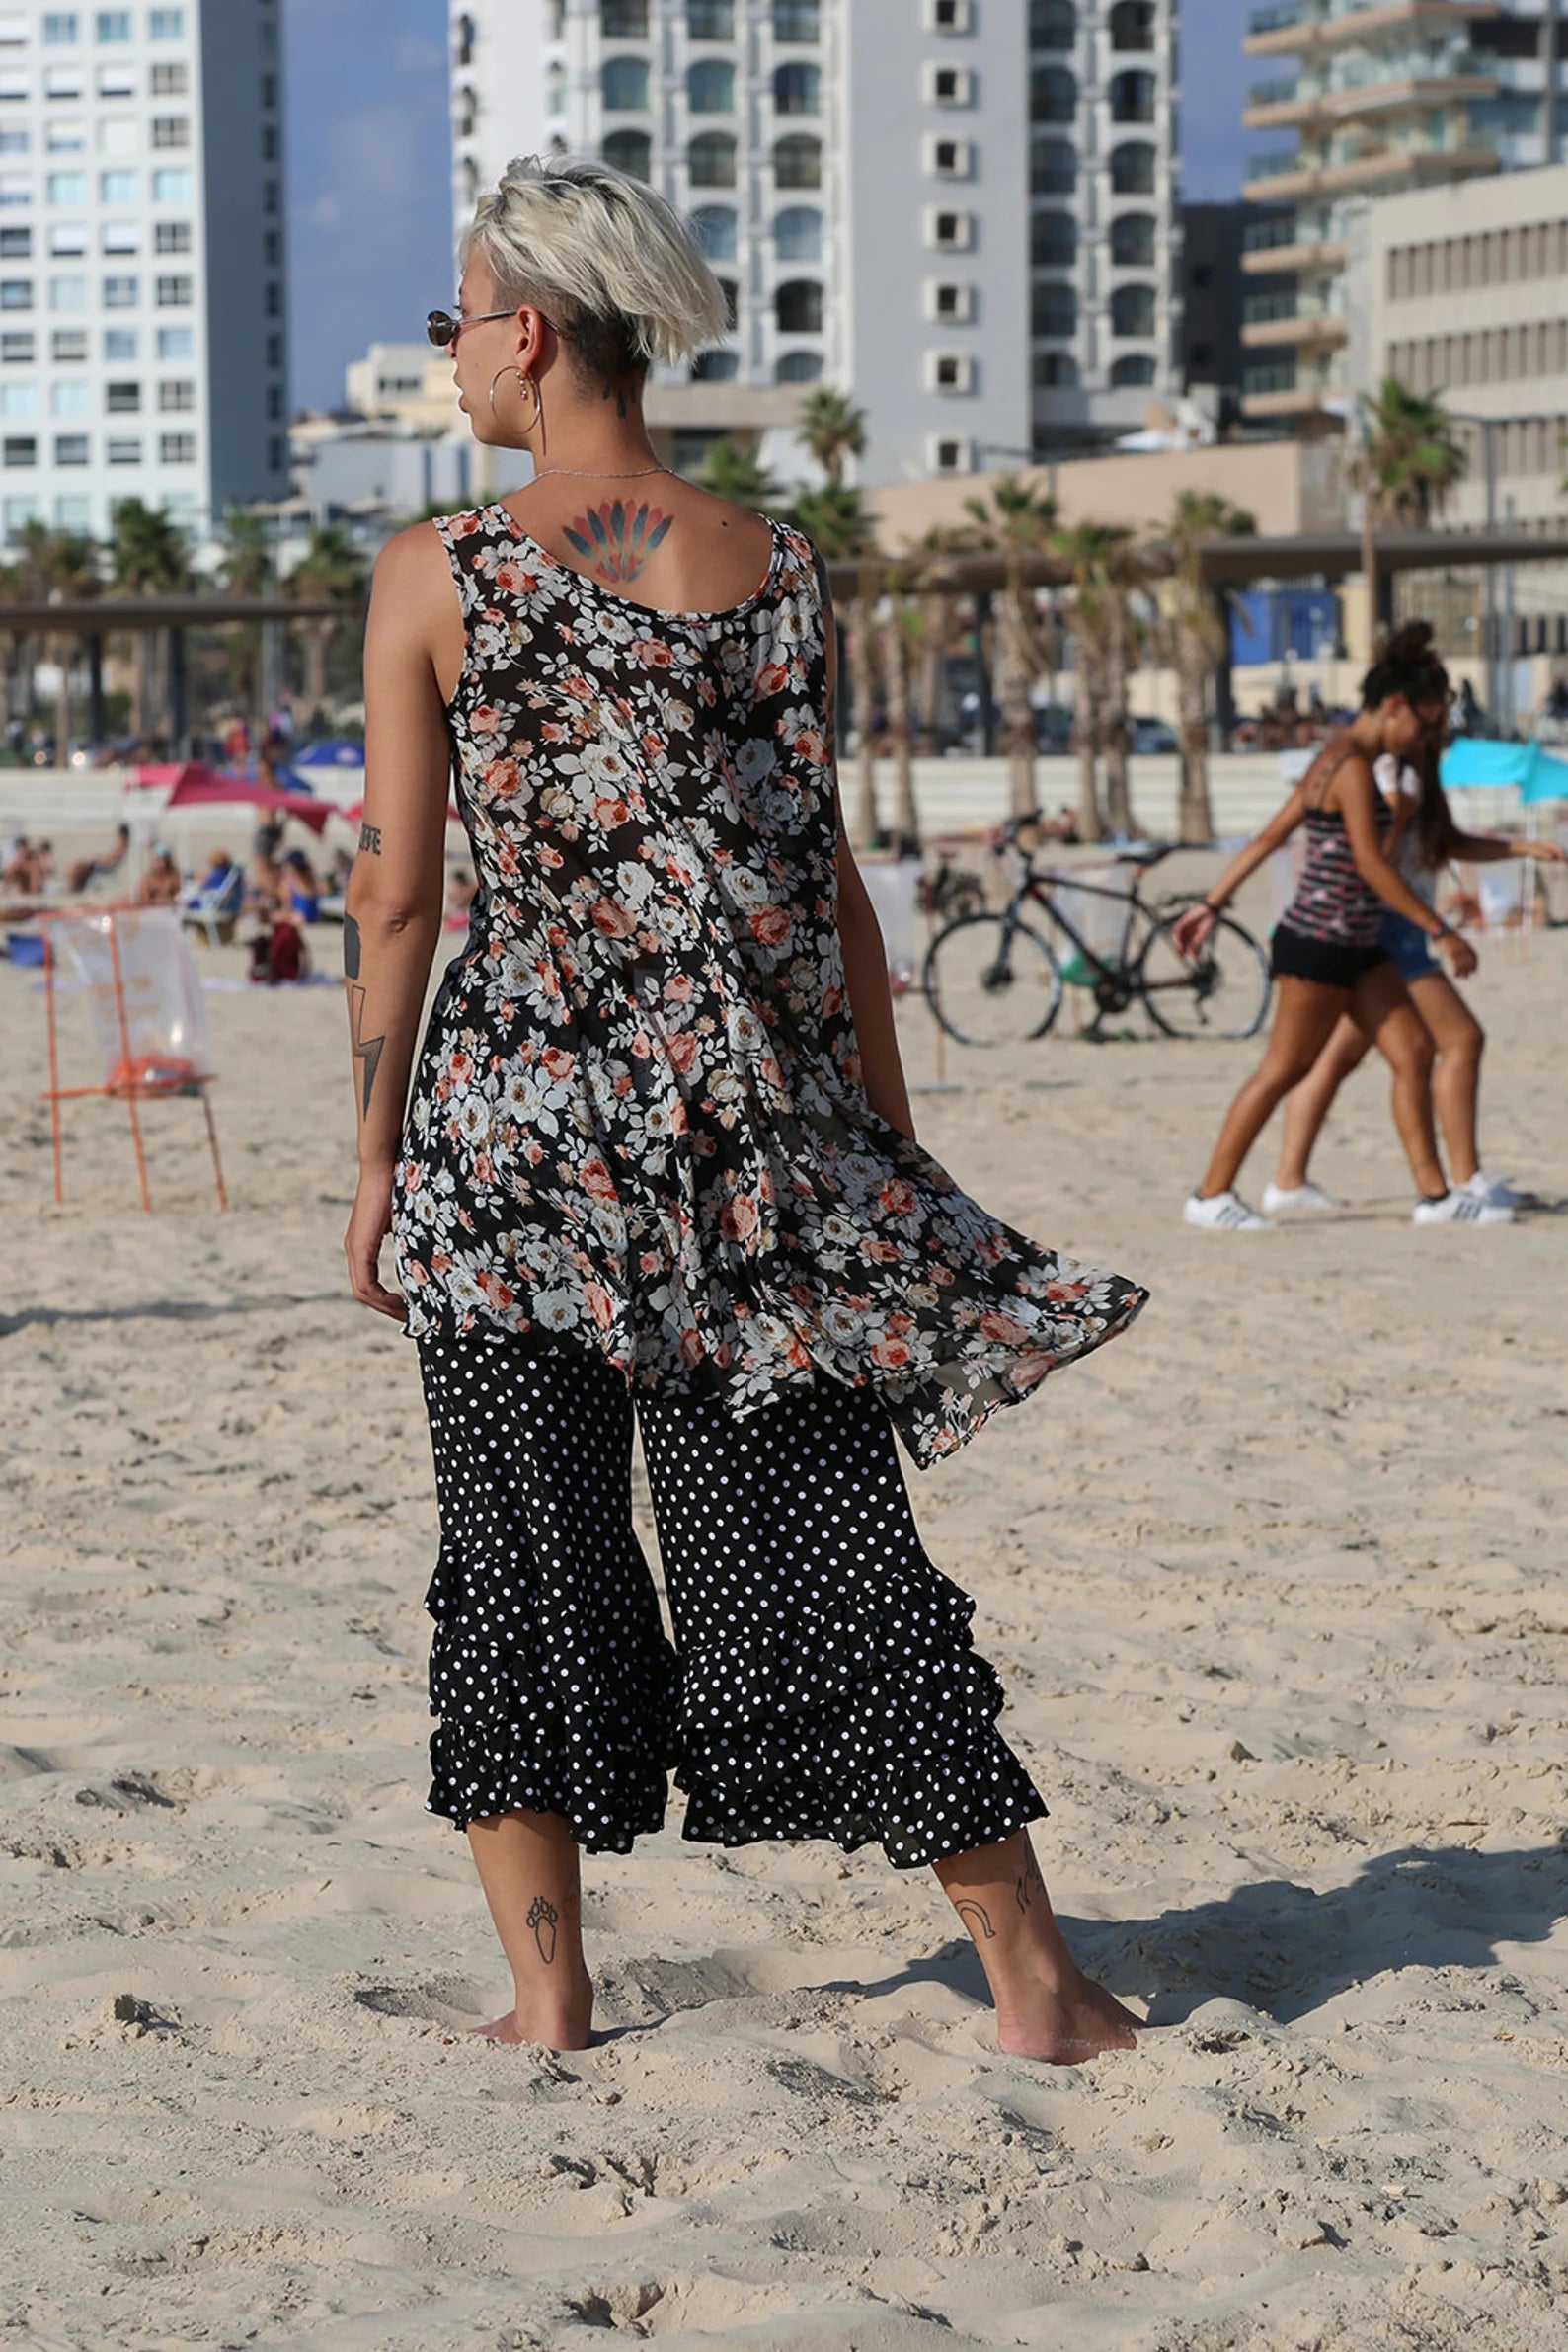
x=543, y=1918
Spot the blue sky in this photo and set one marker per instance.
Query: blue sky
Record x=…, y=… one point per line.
x=369, y=199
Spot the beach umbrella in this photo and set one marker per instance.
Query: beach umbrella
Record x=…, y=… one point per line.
x=214, y=791
x=1474, y=763
x=330, y=755
x=170, y=774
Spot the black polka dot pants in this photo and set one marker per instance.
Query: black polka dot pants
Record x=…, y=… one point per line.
x=822, y=1683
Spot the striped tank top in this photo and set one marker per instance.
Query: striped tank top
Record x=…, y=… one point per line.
x=1332, y=902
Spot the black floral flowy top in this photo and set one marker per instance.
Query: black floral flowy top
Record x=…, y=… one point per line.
x=638, y=1122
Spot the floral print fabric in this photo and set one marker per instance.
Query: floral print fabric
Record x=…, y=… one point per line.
x=638, y=1124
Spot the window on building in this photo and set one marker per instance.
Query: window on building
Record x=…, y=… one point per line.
x=124, y=453
x=167, y=24
x=20, y=448
x=630, y=151
x=1052, y=24
x=275, y=400
x=174, y=236
x=710, y=86
x=710, y=20
x=798, y=234
x=121, y=292
x=113, y=24
x=1053, y=308
x=116, y=81
x=716, y=230
x=14, y=31
x=797, y=367
x=710, y=160
x=118, y=135
x=62, y=81
x=949, y=302
x=1053, y=93
x=274, y=350
x=170, y=81
x=72, y=449
x=120, y=236
x=278, y=453
x=66, y=134
x=269, y=142
x=73, y=514
x=66, y=187
x=1133, y=169
x=1132, y=97
x=950, y=16
x=1056, y=370
x=16, y=349
x=624, y=20
x=797, y=306
x=1052, y=167
x=68, y=239
x=171, y=187
x=179, y=393
x=950, y=232
x=68, y=294
x=715, y=367
x=623, y=85
x=1133, y=25
x=949, y=85
x=798, y=163
x=117, y=188
x=16, y=89
x=468, y=98
x=69, y=347
x=122, y=344
x=797, y=87
x=179, y=343
x=1136, y=368
x=62, y=26
x=16, y=245
x=174, y=294
x=177, y=449
x=1133, y=240
x=1132, y=310
x=797, y=20
x=951, y=453
x=19, y=400
x=14, y=189
x=269, y=83
x=171, y=130
x=1052, y=241
x=70, y=398
x=15, y=293
x=951, y=371
x=123, y=400
x=15, y=142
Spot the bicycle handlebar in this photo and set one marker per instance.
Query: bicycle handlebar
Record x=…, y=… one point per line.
x=1145, y=856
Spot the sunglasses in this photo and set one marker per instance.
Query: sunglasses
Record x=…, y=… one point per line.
x=444, y=330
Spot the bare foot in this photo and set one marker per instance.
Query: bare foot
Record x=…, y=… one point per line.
x=1065, y=2026
x=559, y=2022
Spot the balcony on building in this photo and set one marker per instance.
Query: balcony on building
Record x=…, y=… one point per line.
x=1314, y=28
x=1380, y=169
x=1381, y=87
x=1270, y=246
x=1291, y=318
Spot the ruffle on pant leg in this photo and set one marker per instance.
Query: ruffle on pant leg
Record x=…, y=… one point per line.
x=522, y=1729
x=870, y=1720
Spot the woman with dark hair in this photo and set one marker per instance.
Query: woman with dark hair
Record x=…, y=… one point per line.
x=659, y=1155
x=1326, y=955
x=1429, y=841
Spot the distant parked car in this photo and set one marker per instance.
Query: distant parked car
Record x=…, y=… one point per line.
x=1052, y=726
x=1152, y=735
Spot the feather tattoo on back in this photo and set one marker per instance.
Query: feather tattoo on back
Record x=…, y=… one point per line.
x=618, y=537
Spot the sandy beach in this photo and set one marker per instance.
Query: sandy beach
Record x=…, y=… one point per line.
x=1279, y=1587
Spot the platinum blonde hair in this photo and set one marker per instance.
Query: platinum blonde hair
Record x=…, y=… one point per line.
x=605, y=255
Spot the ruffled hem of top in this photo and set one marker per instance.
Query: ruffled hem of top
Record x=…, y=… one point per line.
x=503, y=1742
x=875, y=1721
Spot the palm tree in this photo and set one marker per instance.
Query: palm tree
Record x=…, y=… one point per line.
x=936, y=623
x=59, y=567
x=1197, y=625
x=1409, y=462
x=147, y=557
x=732, y=472
x=831, y=428
x=330, y=572
x=1018, y=522
x=836, y=521
x=1096, y=555
x=246, y=569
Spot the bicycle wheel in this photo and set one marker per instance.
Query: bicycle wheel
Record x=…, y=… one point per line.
x=1222, y=991
x=991, y=981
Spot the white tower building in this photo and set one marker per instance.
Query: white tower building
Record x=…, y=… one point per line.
x=142, y=311
x=961, y=212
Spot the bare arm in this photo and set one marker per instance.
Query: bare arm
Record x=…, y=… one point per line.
x=1195, y=925
x=861, y=943
x=1358, y=805
x=1489, y=849
x=392, y=915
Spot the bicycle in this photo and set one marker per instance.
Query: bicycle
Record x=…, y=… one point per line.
x=993, y=978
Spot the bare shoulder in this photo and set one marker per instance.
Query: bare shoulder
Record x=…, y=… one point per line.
x=411, y=556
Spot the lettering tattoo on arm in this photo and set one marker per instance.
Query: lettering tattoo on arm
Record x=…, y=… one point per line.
x=976, y=1919
x=366, y=1049
x=370, y=839
x=542, y=1919
x=618, y=537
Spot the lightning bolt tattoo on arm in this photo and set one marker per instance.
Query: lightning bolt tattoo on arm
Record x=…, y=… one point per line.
x=366, y=1049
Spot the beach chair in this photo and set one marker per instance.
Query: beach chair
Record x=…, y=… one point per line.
x=213, y=909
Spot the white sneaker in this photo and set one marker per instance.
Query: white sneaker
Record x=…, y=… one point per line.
x=1497, y=1190
x=1459, y=1206
x=1309, y=1198
x=1226, y=1213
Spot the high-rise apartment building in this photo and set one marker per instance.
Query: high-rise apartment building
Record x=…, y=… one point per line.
x=961, y=212
x=1383, y=98
x=142, y=315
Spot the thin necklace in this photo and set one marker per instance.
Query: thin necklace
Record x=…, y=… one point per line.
x=597, y=474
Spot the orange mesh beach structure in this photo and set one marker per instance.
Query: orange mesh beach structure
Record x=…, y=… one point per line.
x=146, y=1014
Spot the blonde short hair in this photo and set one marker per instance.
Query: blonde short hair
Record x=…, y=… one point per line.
x=604, y=256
